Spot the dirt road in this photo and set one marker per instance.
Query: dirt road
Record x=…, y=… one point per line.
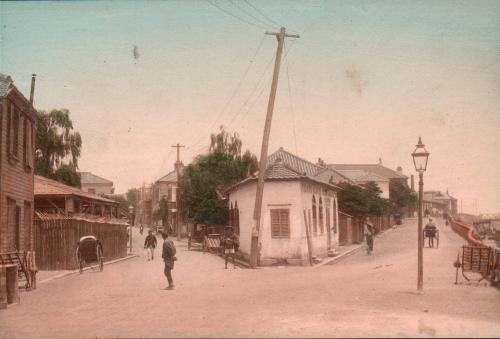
x=367, y=296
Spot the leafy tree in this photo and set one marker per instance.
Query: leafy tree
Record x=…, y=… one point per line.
x=132, y=197
x=57, y=147
x=402, y=196
x=223, y=166
x=361, y=202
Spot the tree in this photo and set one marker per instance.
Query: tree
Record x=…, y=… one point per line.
x=361, y=202
x=57, y=147
x=132, y=197
x=223, y=166
x=402, y=196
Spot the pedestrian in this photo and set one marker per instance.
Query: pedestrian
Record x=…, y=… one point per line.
x=230, y=244
x=150, y=245
x=141, y=229
x=430, y=232
x=369, y=233
x=168, y=255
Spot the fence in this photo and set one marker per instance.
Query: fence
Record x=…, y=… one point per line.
x=351, y=228
x=56, y=238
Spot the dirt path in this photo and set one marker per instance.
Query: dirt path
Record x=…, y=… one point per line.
x=362, y=295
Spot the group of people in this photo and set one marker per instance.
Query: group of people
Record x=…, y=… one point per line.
x=229, y=242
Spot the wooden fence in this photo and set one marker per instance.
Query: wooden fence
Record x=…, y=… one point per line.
x=56, y=238
x=351, y=228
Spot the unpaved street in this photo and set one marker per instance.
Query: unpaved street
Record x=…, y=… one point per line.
x=358, y=296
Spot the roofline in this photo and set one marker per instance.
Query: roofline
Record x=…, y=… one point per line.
x=301, y=178
x=401, y=176
x=108, y=181
x=82, y=197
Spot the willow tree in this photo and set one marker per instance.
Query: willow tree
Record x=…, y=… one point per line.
x=57, y=147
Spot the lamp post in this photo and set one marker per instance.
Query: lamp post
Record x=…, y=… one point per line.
x=420, y=157
x=131, y=216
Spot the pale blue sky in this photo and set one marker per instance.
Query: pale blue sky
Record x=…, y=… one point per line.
x=366, y=78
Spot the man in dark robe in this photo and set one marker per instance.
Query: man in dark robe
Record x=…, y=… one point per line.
x=168, y=255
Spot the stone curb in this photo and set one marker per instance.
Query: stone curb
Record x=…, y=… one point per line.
x=339, y=257
x=66, y=274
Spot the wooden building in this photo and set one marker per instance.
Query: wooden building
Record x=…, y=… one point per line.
x=64, y=214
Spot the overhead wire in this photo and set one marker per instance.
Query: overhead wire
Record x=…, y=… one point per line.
x=235, y=16
x=262, y=13
x=290, y=100
x=243, y=10
x=238, y=86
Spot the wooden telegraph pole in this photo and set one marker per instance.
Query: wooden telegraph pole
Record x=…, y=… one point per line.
x=254, y=250
x=178, y=193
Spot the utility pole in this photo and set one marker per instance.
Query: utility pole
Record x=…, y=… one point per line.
x=254, y=249
x=177, y=195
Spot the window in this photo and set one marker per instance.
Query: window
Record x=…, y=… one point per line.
x=27, y=225
x=13, y=131
x=320, y=213
x=280, y=223
x=315, y=216
x=27, y=143
x=169, y=193
x=13, y=225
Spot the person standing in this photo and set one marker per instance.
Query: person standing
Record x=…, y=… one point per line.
x=230, y=243
x=369, y=233
x=150, y=245
x=168, y=255
x=430, y=232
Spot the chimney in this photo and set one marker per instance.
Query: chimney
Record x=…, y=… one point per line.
x=399, y=170
x=32, y=94
x=412, y=182
x=321, y=163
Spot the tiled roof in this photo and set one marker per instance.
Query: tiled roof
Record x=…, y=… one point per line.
x=170, y=177
x=89, y=178
x=45, y=187
x=280, y=170
x=5, y=82
x=360, y=176
x=374, y=168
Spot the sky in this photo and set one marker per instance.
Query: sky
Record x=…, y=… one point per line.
x=364, y=81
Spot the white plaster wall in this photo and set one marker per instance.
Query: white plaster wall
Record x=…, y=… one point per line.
x=283, y=194
x=290, y=195
x=99, y=188
x=384, y=186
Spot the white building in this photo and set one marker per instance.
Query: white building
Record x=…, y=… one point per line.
x=94, y=184
x=296, y=193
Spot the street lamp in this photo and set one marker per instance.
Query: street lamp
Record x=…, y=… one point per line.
x=131, y=216
x=420, y=157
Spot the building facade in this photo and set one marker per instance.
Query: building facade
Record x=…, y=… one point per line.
x=94, y=184
x=17, y=121
x=299, y=211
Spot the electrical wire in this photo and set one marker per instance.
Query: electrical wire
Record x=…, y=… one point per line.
x=290, y=100
x=243, y=10
x=262, y=13
x=238, y=86
x=235, y=16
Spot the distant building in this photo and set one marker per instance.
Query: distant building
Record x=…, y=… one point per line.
x=297, y=194
x=385, y=177
x=17, y=120
x=94, y=184
x=443, y=202
x=166, y=188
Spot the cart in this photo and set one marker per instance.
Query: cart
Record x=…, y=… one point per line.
x=88, y=251
x=431, y=234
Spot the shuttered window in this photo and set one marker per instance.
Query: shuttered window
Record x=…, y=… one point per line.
x=280, y=223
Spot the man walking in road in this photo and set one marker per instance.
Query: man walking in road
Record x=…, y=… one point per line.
x=369, y=233
x=150, y=245
x=168, y=255
x=430, y=232
x=230, y=244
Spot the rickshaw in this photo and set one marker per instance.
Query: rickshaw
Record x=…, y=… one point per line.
x=88, y=251
x=207, y=238
x=431, y=233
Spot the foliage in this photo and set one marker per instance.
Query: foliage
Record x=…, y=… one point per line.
x=222, y=167
x=57, y=147
x=132, y=197
x=161, y=212
x=361, y=202
x=402, y=196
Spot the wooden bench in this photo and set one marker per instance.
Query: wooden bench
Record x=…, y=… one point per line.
x=26, y=266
